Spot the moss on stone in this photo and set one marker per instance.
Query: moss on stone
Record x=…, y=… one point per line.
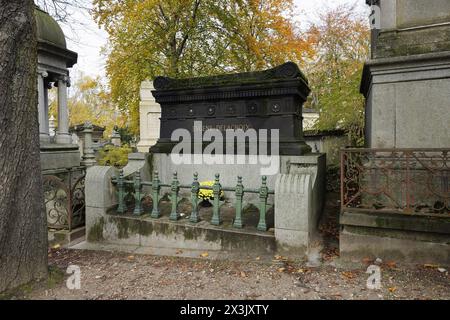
x=55, y=276
x=214, y=236
x=146, y=228
x=95, y=233
x=411, y=42
x=48, y=30
x=126, y=226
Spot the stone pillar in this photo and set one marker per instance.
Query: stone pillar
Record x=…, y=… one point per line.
x=409, y=71
x=115, y=138
x=52, y=126
x=43, y=107
x=47, y=86
x=62, y=134
x=88, y=151
x=149, y=114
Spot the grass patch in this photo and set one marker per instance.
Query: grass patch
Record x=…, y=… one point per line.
x=55, y=277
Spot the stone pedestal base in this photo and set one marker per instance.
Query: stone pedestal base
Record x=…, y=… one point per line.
x=299, y=201
x=145, y=144
x=394, y=237
x=59, y=156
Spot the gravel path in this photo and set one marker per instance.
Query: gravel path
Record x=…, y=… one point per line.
x=114, y=275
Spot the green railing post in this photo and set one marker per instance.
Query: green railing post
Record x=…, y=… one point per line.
x=121, y=208
x=194, y=198
x=137, y=194
x=174, y=197
x=239, y=194
x=216, y=209
x=263, y=194
x=155, y=195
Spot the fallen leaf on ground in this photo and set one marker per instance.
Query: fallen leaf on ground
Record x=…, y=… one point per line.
x=348, y=274
x=56, y=246
x=391, y=264
x=367, y=260
x=130, y=258
x=281, y=269
x=392, y=289
x=243, y=275
x=204, y=254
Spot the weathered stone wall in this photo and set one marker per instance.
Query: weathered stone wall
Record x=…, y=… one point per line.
x=405, y=238
x=394, y=43
x=401, y=14
x=407, y=101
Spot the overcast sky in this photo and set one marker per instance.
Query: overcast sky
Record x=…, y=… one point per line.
x=87, y=39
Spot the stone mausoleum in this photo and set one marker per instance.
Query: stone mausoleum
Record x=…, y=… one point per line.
x=54, y=61
x=62, y=167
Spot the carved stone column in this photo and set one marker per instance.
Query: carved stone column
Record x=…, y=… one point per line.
x=42, y=107
x=62, y=134
x=88, y=150
x=115, y=138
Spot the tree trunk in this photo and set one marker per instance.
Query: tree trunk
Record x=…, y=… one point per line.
x=23, y=226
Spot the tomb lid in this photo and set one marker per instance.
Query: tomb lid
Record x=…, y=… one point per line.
x=286, y=71
x=48, y=30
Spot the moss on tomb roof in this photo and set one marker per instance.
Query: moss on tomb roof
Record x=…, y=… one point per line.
x=286, y=71
x=48, y=30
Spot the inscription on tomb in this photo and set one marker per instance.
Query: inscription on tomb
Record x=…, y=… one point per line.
x=270, y=99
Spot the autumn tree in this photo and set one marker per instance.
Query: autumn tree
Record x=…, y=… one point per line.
x=91, y=100
x=259, y=34
x=341, y=45
x=183, y=38
x=23, y=224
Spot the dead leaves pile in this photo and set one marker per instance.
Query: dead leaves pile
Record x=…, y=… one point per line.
x=286, y=265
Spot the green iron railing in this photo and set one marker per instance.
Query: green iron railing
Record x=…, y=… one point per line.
x=134, y=186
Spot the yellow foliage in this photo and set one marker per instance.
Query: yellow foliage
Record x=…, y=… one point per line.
x=184, y=38
x=340, y=41
x=114, y=156
x=94, y=97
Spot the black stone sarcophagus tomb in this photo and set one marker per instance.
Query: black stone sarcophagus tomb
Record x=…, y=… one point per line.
x=269, y=99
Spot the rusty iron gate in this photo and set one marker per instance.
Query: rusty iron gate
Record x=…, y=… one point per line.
x=64, y=197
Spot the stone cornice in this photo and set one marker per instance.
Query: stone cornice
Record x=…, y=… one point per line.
x=291, y=87
x=405, y=66
x=288, y=70
x=70, y=57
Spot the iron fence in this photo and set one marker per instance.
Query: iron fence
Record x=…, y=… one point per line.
x=64, y=197
x=131, y=189
x=408, y=181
